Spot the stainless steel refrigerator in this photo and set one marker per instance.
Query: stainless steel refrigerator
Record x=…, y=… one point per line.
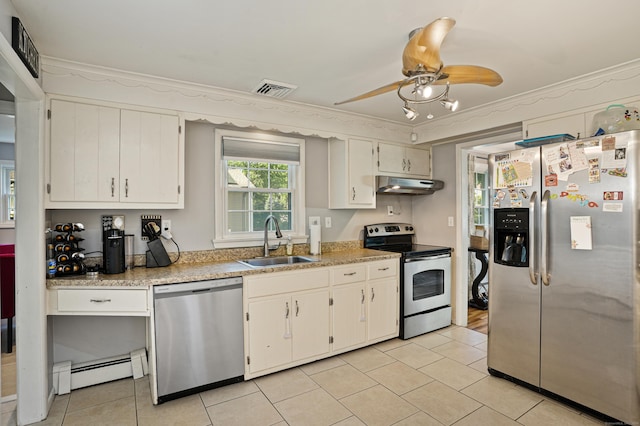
x=564, y=289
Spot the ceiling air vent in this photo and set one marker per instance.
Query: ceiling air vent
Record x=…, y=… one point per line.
x=274, y=89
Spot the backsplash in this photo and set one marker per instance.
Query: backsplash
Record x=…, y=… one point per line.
x=221, y=255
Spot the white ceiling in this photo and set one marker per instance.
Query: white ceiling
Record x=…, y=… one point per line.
x=336, y=49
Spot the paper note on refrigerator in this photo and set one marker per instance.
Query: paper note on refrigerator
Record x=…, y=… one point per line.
x=581, y=233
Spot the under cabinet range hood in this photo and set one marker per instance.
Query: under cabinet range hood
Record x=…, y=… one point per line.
x=410, y=186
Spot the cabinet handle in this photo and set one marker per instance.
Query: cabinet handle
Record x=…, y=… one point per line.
x=113, y=187
x=363, y=317
x=349, y=274
x=373, y=295
x=362, y=300
x=297, y=308
x=286, y=315
x=100, y=300
x=408, y=165
x=353, y=190
x=126, y=188
x=404, y=164
x=383, y=269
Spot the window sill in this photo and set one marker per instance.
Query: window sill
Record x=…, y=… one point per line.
x=254, y=242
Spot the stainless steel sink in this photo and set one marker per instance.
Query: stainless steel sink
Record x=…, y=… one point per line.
x=275, y=261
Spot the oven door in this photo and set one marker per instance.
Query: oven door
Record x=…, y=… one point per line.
x=426, y=284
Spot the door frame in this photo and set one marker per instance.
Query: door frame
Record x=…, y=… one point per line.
x=32, y=370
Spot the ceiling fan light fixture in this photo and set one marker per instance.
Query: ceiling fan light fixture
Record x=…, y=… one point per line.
x=450, y=104
x=424, y=91
x=409, y=112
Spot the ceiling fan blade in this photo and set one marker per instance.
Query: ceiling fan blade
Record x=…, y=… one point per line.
x=460, y=74
x=424, y=47
x=376, y=92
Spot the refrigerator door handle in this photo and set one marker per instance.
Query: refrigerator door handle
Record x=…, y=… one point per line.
x=533, y=251
x=544, y=216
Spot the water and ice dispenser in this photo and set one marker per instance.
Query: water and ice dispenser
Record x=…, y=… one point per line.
x=511, y=236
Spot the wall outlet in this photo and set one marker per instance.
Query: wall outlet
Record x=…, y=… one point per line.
x=390, y=210
x=166, y=225
x=450, y=220
x=327, y=222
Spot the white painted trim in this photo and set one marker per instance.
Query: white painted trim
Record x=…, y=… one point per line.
x=213, y=104
x=31, y=321
x=618, y=82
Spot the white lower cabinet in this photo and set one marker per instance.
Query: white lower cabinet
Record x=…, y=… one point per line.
x=349, y=316
x=291, y=317
x=287, y=328
x=383, y=309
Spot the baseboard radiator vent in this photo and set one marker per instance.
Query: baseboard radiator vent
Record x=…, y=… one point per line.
x=67, y=377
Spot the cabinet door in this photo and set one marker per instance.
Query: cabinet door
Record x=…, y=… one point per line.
x=349, y=316
x=149, y=157
x=361, y=176
x=84, y=152
x=310, y=324
x=269, y=333
x=391, y=159
x=383, y=308
x=571, y=124
x=418, y=162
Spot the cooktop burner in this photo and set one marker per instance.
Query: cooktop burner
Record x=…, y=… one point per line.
x=398, y=238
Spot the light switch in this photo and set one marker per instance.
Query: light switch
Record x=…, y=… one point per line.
x=327, y=222
x=450, y=220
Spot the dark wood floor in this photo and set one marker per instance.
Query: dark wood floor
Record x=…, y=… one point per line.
x=478, y=320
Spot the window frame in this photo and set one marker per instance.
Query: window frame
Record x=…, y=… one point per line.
x=224, y=239
x=485, y=196
x=5, y=195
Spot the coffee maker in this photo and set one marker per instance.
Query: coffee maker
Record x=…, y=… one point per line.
x=511, y=237
x=113, y=251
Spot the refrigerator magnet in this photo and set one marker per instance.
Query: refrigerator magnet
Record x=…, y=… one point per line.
x=581, y=233
x=612, y=195
x=551, y=180
x=609, y=207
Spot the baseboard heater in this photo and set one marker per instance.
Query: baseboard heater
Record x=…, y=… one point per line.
x=67, y=376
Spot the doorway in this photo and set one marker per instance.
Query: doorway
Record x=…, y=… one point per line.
x=7, y=242
x=468, y=148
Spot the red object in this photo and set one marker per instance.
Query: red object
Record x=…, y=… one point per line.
x=8, y=289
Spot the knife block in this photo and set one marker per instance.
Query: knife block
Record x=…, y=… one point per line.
x=157, y=255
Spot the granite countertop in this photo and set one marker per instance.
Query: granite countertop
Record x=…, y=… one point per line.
x=141, y=277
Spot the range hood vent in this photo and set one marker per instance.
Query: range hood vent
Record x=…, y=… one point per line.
x=409, y=186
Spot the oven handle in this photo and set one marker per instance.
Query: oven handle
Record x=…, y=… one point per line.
x=426, y=258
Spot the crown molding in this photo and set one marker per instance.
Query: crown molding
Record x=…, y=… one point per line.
x=212, y=104
x=607, y=85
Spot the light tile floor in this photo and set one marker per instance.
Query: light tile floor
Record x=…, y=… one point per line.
x=435, y=379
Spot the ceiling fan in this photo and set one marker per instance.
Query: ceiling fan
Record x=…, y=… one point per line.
x=423, y=68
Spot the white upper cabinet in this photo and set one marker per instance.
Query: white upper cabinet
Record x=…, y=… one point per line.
x=351, y=175
x=557, y=125
x=84, y=153
x=100, y=155
x=149, y=158
x=398, y=160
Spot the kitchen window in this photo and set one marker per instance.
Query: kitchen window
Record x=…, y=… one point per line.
x=257, y=175
x=8, y=194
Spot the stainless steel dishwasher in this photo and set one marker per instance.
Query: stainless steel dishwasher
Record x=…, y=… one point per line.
x=199, y=336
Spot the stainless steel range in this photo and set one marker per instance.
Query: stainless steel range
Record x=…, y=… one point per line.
x=425, y=277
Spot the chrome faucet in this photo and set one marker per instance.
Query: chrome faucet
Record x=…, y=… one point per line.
x=266, y=236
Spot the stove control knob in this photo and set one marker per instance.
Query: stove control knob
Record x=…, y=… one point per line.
x=376, y=229
x=406, y=228
x=411, y=228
